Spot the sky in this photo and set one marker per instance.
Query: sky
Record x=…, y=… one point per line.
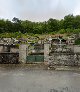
x=38, y=10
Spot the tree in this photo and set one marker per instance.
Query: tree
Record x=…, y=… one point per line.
x=77, y=22
x=17, y=26
x=53, y=25
x=2, y=26
x=68, y=22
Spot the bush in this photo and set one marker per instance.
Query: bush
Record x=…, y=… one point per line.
x=77, y=42
x=62, y=31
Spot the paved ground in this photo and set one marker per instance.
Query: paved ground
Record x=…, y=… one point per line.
x=39, y=81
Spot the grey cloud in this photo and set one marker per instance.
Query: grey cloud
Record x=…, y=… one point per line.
x=37, y=10
x=44, y=12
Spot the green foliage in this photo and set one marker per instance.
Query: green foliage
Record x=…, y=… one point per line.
x=62, y=31
x=70, y=24
x=77, y=42
x=53, y=25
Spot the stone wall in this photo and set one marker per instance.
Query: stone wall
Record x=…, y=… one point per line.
x=14, y=50
x=66, y=59
x=67, y=55
x=76, y=48
x=9, y=58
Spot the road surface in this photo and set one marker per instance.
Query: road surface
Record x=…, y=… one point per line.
x=39, y=81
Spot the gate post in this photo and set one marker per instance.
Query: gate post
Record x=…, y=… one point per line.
x=46, y=52
x=22, y=53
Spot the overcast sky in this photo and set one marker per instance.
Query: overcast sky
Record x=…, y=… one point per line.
x=38, y=10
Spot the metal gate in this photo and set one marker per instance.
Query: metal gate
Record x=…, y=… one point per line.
x=35, y=58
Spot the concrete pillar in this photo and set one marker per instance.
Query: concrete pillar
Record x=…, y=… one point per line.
x=1, y=49
x=6, y=48
x=22, y=53
x=46, y=52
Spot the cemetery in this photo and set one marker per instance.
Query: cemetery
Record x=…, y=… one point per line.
x=51, y=51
